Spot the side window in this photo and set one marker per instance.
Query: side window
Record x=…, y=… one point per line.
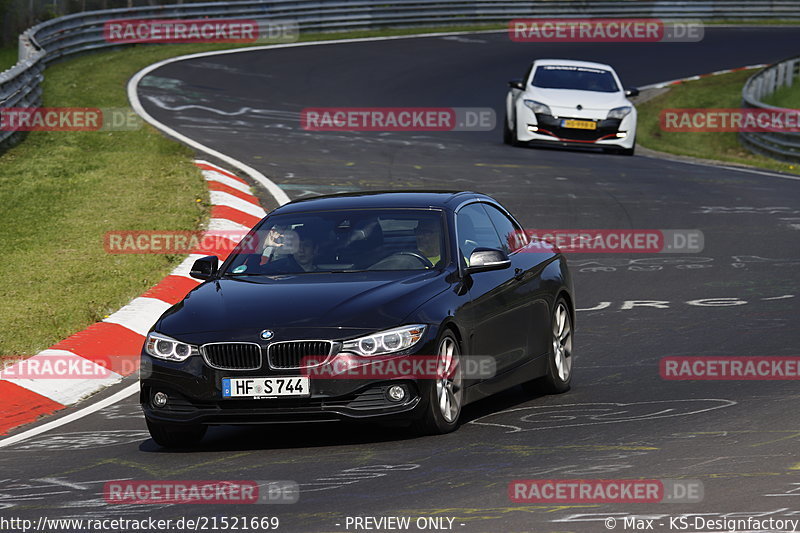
x=475, y=230
x=511, y=236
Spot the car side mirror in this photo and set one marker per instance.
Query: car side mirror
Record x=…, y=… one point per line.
x=205, y=267
x=632, y=92
x=484, y=259
x=517, y=84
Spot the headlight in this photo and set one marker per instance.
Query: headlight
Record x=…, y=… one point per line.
x=167, y=348
x=537, y=107
x=389, y=341
x=620, y=112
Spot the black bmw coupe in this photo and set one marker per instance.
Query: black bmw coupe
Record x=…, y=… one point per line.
x=364, y=306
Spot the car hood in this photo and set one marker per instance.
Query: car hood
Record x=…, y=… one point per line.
x=329, y=306
x=563, y=99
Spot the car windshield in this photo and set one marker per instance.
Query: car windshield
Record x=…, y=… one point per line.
x=575, y=78
x=342, y=241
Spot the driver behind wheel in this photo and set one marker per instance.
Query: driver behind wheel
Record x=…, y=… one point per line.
x=429, y=240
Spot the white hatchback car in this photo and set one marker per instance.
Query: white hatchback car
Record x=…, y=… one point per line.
x=570, y=103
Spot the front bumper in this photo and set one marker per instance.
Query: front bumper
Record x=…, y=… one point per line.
x=194, y=392
x=538, y=128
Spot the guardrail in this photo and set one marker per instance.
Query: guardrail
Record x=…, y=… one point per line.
x=83, y=32
x=783, y=146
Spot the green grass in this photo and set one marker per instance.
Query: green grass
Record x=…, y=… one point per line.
x=8, y=57
x=61, y=191
x=788, y=97
x=723, y=91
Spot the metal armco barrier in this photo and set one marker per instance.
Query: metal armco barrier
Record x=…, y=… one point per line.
x=83, y=32
x=783, y=146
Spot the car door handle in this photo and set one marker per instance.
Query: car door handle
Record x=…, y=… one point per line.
x=518, y=273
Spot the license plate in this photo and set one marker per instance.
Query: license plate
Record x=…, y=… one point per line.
x=272, y=387
x=579, y=124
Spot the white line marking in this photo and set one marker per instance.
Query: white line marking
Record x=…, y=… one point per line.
x=64, y=390
x=565, y=417
x=753, y=171
x=223, y=227
x=662, y=84
x=724, y=167
x=224, y=198
x=56, y=481
x=280, y=196
x=211, y=175
x=86, y=411
x=139, y=315
x=598, y=307
x=218, y=169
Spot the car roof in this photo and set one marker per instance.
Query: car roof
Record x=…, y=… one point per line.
x=572, y=63
x=382, y=199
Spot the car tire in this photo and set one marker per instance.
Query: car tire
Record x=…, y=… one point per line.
x=445, y=394
x=509, y=136
x=175, y=436
x=558, y=378
x=620, y=151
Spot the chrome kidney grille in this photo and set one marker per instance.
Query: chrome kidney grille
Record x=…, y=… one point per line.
x=232, y=356
x=291, y=354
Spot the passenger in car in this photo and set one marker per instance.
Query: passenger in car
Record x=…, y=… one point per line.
x=302, y=253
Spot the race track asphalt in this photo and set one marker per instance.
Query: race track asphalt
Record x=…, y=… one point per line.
x=620, y=420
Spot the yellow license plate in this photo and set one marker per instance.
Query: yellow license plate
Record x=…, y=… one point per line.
x=579, y=124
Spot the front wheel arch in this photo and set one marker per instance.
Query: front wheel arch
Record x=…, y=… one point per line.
x=563, y=294
x=431, y=420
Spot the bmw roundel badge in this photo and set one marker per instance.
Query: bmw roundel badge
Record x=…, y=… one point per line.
x=267, y=334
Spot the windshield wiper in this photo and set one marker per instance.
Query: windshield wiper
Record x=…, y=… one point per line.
x=242, y=274
x=337, y=271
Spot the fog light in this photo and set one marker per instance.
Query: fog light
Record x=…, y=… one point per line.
x=159, y=399
x=622, y=134
x=533, y=128
x=396, y=393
